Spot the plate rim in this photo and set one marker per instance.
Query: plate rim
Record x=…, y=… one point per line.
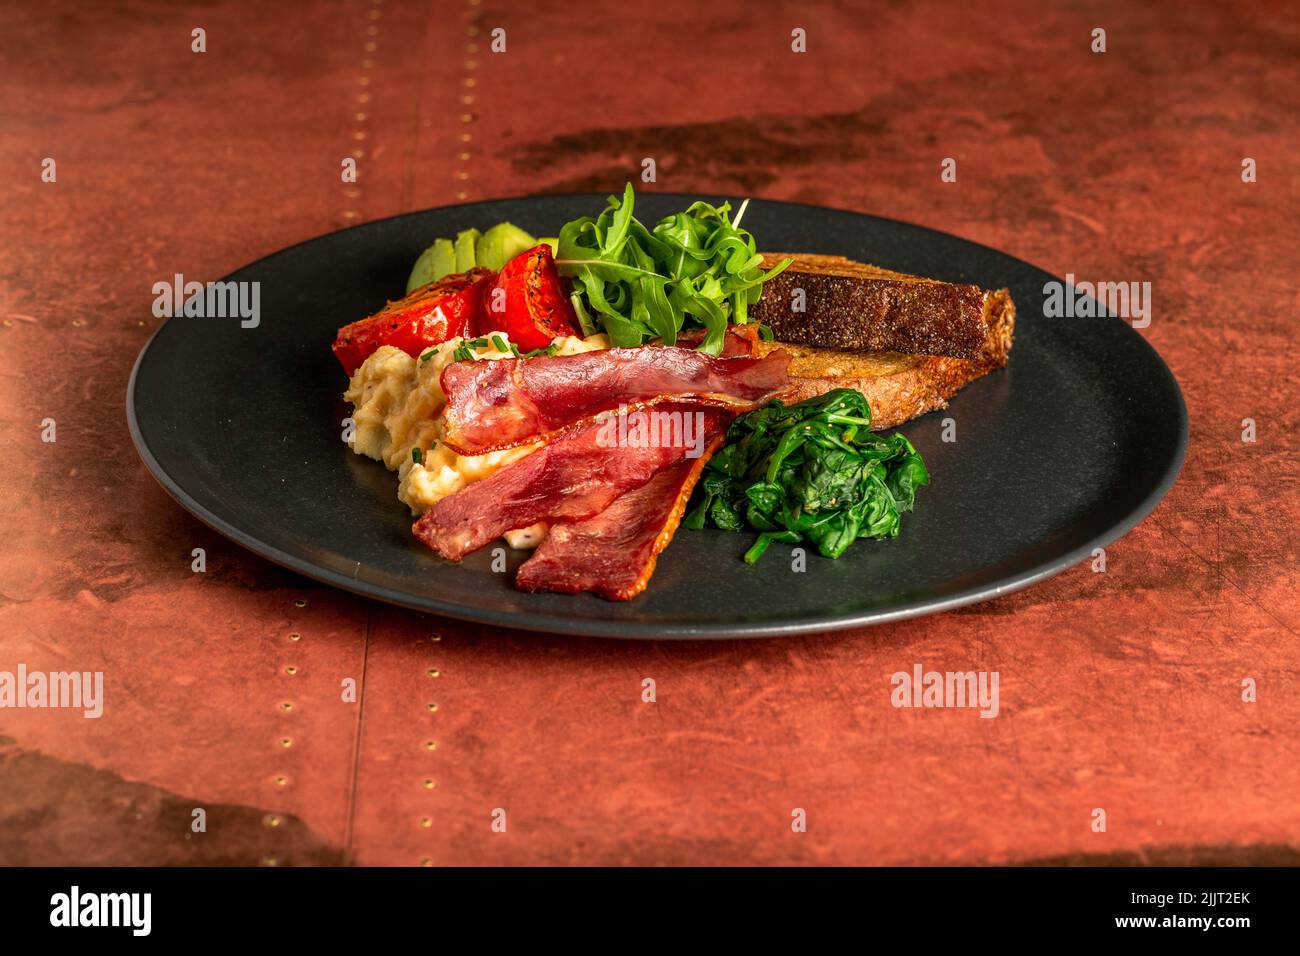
x=640, y=630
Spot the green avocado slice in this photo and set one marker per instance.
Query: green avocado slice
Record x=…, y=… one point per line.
x=465, y=241
x=502, y=243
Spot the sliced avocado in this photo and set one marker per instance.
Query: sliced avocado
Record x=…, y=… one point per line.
x=502, y=243
x=552, y=242
x=444, y=259
x=465, y=249
x=435, y=262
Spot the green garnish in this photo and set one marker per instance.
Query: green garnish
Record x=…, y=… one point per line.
x=812, y=471
x=695, y=268
x=500, y=344
x=428, y=355
x=548, y=351
x=417, y=456
x=465, y=350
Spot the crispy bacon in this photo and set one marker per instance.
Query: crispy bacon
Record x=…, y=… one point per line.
x=613, y=553
x=575, y=477
x=492, y=405
x=739, y=340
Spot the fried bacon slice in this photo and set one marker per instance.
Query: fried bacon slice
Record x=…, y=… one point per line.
x=493, y=405
x=574, y=477
x=613, y=553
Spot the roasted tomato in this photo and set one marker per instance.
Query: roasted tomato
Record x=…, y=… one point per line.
x=527, y=301
x=428, y=316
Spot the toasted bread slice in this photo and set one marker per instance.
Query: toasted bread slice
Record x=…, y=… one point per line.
x=852, y=305
x=898, y=386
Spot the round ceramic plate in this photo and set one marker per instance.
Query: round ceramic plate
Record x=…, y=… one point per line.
x=1063, y=451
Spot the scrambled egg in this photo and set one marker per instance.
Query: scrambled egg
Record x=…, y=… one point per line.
x=398, y=403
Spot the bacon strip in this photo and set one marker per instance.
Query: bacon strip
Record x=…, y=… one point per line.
x=614, y=553
x=572, y=478
x=493, y=405
x=739, y=340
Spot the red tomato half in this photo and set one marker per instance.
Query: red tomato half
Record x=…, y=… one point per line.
x=428, y=316
x=528, y=302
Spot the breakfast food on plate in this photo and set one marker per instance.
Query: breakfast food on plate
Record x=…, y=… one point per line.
x=613, y=553
x=834, y=302
x=502, y=404
x=574, y=477
x=906, y=343
x=899, y=386
x=585, y=395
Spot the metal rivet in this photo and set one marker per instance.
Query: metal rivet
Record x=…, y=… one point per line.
x=427, y=784
x=291, y=670
x=432, y=708
x=280, y=781
x=434, y=672
x=286, y=706
x=269, y=861
x=301, y=602
x=426, y=862
x=295, y=636
x=435, y=638
x=426, y=822
x=431, y=745
x=271, y=820
x=286, y=742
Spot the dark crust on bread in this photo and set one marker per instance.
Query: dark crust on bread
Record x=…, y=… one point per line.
x=851, y=305
x=899, y=387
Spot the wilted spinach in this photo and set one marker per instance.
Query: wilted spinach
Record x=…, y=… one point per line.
x=811, y=471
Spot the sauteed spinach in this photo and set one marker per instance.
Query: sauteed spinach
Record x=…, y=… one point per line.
x=811, y=471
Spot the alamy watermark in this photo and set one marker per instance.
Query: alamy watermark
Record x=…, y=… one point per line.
x=215, y=300
x=922, y=688
x=653, y=428
x=130, y=910
x=74, y=690
x=1070, y=299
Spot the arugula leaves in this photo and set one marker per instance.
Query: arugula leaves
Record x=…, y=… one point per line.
x=695, y=268
x=811, y=471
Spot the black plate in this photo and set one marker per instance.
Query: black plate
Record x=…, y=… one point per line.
x=1064, y=451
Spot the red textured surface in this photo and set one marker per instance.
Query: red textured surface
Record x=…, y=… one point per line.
x=1119, y=690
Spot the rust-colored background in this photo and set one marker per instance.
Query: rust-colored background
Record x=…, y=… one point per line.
x=1120, y=690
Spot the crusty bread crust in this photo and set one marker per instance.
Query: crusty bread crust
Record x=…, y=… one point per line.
x=851, y=305
x=899, y=386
